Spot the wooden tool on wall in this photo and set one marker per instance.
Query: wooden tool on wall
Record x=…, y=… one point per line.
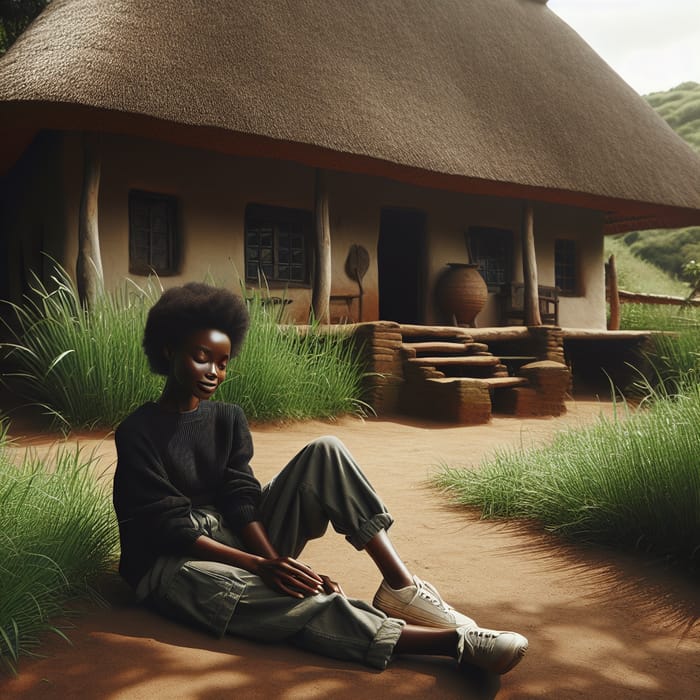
x=356, y=266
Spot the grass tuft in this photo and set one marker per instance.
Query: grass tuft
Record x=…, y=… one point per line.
x=674, y=356
x=630, y=481
x=84, y=369
x=57, y=533
x=286, y=372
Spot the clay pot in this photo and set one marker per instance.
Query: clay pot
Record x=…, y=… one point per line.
x=461, y=292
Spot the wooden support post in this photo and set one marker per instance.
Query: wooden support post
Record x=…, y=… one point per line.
x=531, y=302
x=613, y=294
x=88, y=269
x=321, y=293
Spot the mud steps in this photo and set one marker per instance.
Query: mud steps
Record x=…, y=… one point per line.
x=449, y=376
x=444, y=374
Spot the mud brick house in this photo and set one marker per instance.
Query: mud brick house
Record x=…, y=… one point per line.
x=341, y=152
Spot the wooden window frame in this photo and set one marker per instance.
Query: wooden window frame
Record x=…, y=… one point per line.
x=265, y=259
x=566, y=269
x=140, y=264
x=495, y=266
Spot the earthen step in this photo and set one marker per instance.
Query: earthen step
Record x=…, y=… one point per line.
x=491, y=382
x=503, y=382
x=461, y=361
x=437, y=346
x=443, y=332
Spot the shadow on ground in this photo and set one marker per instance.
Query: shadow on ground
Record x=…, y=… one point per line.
x=128, y=652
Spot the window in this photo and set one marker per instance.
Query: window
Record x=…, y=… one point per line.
x=492, y=250
x=152, y=233
x=276, y=244
x=565, y=276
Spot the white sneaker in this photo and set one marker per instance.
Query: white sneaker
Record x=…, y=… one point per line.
x=419, y=604
x=497, y=652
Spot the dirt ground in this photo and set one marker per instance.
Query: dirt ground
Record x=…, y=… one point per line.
x=600, y=625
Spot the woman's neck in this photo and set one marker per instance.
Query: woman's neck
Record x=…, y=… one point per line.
x=173, y=401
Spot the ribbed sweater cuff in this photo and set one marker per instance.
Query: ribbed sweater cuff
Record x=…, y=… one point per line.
x=244, y=514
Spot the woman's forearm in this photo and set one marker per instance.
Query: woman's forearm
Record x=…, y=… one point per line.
x=283, y=574
x=257, y=546
x=205, y=547
x=255, y=539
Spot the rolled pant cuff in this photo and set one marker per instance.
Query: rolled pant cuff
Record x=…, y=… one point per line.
x=381, y=521
x=382, y=647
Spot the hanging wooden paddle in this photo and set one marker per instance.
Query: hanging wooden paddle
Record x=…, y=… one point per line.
x=356, y=266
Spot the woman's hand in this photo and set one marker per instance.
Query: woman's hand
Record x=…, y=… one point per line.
x=287, y=575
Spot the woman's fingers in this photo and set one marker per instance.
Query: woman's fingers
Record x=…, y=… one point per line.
x=331, y=586
x=305, y=569
x=295, y=578
x=290, y=576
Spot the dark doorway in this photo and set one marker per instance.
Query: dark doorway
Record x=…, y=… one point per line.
x=400, y=255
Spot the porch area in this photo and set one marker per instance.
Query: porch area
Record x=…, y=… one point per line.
x=463, y=375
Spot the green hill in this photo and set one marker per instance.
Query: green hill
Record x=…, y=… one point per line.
x=680, y=108
x=637, y=275
x=667, y=250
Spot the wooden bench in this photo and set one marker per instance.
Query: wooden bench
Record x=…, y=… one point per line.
x=512, y=300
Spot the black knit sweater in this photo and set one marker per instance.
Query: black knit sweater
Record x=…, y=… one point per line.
x=168, y=463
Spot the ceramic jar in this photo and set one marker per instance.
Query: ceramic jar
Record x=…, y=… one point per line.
x=461, y=292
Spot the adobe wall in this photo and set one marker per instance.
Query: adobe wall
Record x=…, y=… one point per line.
x=214, y=189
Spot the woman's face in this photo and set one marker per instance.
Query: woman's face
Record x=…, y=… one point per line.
x=198, y=366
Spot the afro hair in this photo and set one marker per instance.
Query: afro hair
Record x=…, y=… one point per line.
x=182, y=310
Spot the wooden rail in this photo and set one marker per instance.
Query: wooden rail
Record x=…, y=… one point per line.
x=642, y=298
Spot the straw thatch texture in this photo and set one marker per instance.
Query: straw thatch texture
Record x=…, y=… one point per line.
x=492, y=90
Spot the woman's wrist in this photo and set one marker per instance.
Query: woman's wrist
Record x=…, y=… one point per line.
x=256, y=540
x=207, y=548
x=253, y=563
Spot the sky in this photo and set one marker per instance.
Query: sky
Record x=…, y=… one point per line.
x=653, y=44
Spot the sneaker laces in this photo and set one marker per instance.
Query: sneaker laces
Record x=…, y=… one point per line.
x=428, y=592
x=479, y=641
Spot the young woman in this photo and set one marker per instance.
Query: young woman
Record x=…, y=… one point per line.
x=202, y=542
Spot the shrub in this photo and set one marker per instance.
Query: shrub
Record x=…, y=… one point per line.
x=668, y=249
x=637, y=275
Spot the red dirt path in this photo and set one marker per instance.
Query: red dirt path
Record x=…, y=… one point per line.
x=600, y=625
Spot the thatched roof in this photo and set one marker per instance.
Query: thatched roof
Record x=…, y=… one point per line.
x=490, y=96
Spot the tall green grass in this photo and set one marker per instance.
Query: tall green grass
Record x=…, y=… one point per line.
x=659, y=317
x=284, y=372
x=83, y=368
x=87, y=368
x=57, y=533
x=674, y=356
x=631, y=481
